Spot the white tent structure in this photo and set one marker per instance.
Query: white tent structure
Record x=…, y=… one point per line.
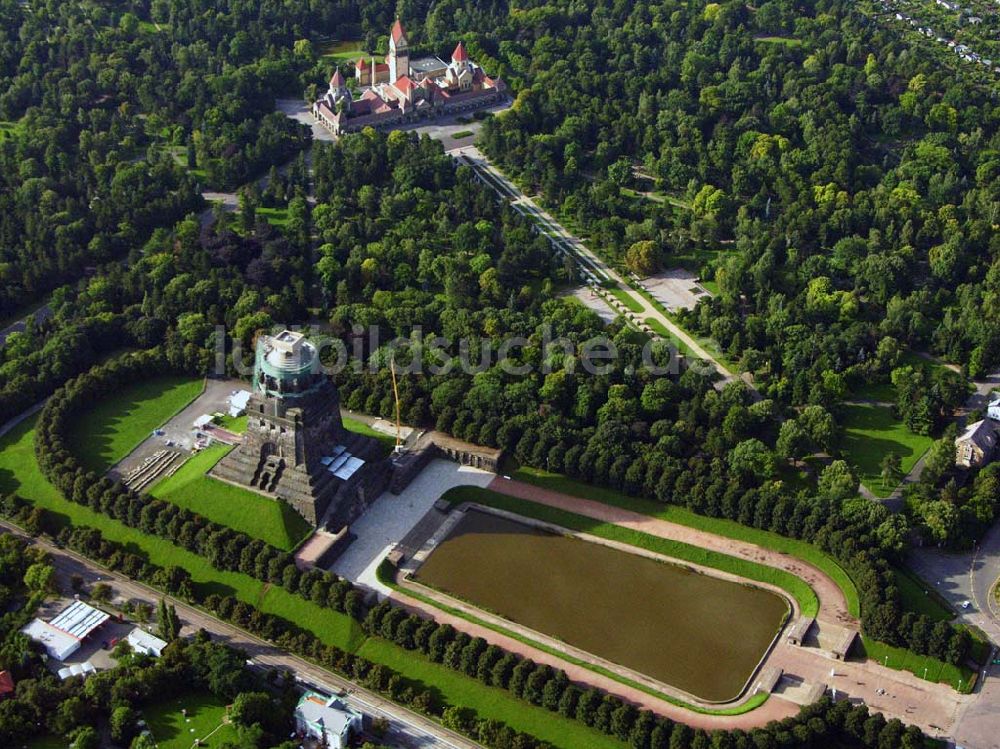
x=77, y=669
x=238, y=402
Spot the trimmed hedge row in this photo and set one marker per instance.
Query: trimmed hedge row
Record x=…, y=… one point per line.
x=233, y=551
x=819, y=725
x=226, y=549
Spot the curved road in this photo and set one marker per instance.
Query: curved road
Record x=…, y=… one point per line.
x=41, y=314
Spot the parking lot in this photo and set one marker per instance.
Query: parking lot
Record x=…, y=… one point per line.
x=675, y=289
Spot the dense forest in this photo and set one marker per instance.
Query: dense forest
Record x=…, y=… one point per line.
x=848, y=183
x=841, y=190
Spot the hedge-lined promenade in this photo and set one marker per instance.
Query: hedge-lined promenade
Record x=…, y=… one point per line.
x=435, y=682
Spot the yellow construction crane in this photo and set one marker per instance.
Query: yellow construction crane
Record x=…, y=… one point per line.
x=395, y=394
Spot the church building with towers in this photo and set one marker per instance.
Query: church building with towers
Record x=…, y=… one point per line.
x=402, y=90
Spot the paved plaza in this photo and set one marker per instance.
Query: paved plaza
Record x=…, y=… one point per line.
x=388, y=521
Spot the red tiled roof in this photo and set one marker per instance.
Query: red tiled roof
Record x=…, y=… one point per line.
x=405, y=84
x=329, y=113
x=337, y=79
x=397, y=31
x=460, y=55
x=381, y=67
x=361, y=63
x=6, y=683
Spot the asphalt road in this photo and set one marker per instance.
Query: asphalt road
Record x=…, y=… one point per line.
x=40, y=314
x=407, y=728
x=970, y=576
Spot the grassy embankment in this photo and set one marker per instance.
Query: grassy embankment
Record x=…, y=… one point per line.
x=243, y=510
x=19, y=473
x=110, y=429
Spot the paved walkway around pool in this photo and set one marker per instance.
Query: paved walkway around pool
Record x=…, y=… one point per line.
x=897, y=694
x=832, y=604
x=392, y=517
x=410, y=584
x=774, y=709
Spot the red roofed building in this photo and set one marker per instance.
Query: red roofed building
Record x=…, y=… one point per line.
x=6, y=685
x=399, y=53
x=402, y=90
x=398, y=33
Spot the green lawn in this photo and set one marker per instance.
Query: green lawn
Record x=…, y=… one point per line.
x=19, y=473
x=683, y=516
x=149, y=27
x=886, y=391
x=113, y=427
x=345, y=50
x=920, y=597
x=274, y=216
x=179, y=154
x=489, y=702
x=48, y=742
x=660, y=329
x=794, y=586
x=10, y=129
x=695, y=257
x=870, y=433
x=236, y=424
x=782, y=40
x=924, y=666
x=353, y=425
x=204, y=716
x=630, y=302
x=876, y=391
x=270, y=520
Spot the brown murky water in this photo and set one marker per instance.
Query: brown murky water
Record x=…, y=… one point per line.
x=695, y=632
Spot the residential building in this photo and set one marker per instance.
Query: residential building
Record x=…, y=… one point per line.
x=143, y=642
x=6, y=685
x=993, y=409
x=328, y=720
x=975, y=446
